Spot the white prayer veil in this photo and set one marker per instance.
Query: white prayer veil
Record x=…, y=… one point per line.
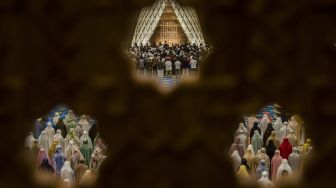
x=284, y=167
x=264, y=181
x=67, y=172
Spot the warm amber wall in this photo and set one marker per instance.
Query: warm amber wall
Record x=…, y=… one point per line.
x=264, y=51
x=174, y=34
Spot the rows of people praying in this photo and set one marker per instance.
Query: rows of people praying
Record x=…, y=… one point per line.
x=67, y=147
x=168, y=60
x=270, y=150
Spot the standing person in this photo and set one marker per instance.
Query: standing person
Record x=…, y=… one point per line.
x=168, y=66
x=43, y=141
x=270, y=149
x=236, y=160
x=67, y=172
x=193, y=65
x=278, y=125
x=250, y=158
x=155, y=65
x=254, y=128
x=285, y=149
x=59, y=159
x=275, y=163
x=86, y=150
x=38, y=128
x=50, y=132
x=80, y=170
x=264, y=181
x=264, y=123
x=294, y=161
x=292, y=138
x=274, y=138
x=250, y=123
x=237, y=146
x=284, y=170
x=178, y=68
x=267, y=133
x=283, y=132
x=256, y=141
x=244, y=170
x=261, y=168
x=243, y=139
x=141, y=65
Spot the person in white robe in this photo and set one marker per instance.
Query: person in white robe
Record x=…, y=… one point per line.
x=284, y=170
x=283, y=132
x=67, y=172
x=43, y=141
x=294, y=161
x=292, y=138
x=278, y=125
x=243, y=139
x=264, y=180
x=50, y=133
x=264, y=124
x=296, y=127
x=236, y=160
x=29, y=142
x=55, y=118
x=84, y=123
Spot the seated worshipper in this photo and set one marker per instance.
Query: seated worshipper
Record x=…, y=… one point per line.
x=84, y=123
x=250, y=158
x=86, y=150
x=261, y=168
x=268, y=133
x=274, y=138
x=71, y=136
x=254, y=128
x=59, y=138
x=50, y=132
x=43, y=141
x=285, y=149
x=46, y=167
x=29, y=142
x=237, y=146
x=294, y=161
x=264, y=181
x=80, y=170
x=264, y=123
x=85, y=136
x=292, y=139
x=256, y=141
x=59, y=159
x=278, y=125
x=67, y=172
x=283, y=132
x=60, y=126
x=243, y=139
x=270, y=149
x=276, y=162
x=244, y=170
x=284, y=170
x=70, y=121
x=236, y=160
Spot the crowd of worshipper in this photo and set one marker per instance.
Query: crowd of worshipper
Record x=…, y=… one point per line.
x=270, y=152
x=164, y=60
x=68, y=148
